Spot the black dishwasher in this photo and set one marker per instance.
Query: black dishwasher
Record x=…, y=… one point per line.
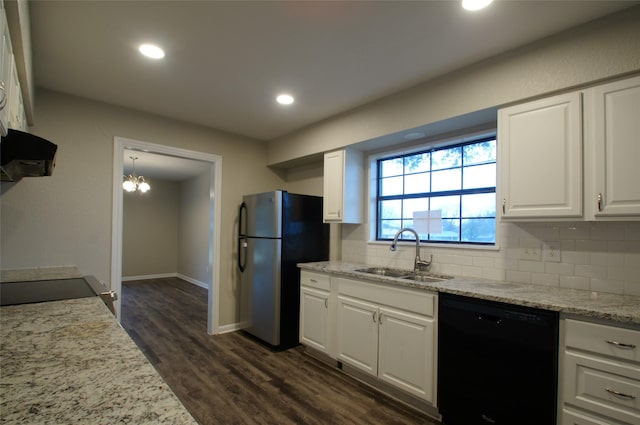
x=497, y=363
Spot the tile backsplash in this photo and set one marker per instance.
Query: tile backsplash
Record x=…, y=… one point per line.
x=602, y=257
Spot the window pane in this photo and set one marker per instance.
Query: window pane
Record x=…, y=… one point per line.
x=479, y=176
x=391, y=167
x=390, y=209
x=480, y=153
x=391, y=186
x=479, y=230
x=446, y=158
x=480, y=205
x=417, y=163
x=449, y=205
x=412, y=205
x=450, y=231
x=465, y=173
x=446, y=180
x=388, y=228
x=417, y=183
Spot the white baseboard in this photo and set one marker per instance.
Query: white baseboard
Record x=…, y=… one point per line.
x=148, y=276
x=193, y=281
x=163, y=275
x=228, y=328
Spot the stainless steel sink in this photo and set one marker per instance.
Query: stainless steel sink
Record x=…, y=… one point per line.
x=386, y=271
x=427, y=277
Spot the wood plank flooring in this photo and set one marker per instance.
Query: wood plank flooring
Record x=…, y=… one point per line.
x=232, y=379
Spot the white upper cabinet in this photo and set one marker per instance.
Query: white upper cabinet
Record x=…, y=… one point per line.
x=540, y=158
x=554, y=150
x=6, y=59
x=343, y=186
x=12, y=113
x=612, y=137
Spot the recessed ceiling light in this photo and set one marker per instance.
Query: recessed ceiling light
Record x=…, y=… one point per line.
x=475, y=4
x=151, y=51
x=284, y=99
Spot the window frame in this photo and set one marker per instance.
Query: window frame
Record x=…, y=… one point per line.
x=376, y=164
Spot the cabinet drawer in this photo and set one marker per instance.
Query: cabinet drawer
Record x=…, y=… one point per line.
x=315, y=280
x=571, y=417
x=609, y=340
x=607, y=387
x=416, y=301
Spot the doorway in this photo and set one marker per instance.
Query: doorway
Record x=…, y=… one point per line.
x=213, y=274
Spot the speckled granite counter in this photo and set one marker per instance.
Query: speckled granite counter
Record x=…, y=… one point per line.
x=624, y=309
x=70, y=361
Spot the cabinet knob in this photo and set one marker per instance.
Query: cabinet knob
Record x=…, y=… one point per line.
x=599, y=201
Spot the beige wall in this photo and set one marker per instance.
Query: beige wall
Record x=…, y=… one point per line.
x=595, y=51
x=65, y=219
x=150, y=230
x=193, y=235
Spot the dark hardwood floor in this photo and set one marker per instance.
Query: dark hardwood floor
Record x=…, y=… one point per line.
x=231, y=379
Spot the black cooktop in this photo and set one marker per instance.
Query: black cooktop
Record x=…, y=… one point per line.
x=12, y=293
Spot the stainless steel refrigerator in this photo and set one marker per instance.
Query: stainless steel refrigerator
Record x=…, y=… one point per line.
x=276, y=231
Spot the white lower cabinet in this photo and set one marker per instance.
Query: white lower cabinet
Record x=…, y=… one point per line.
x=315, y=311
x=600, y=378
x=388, y=333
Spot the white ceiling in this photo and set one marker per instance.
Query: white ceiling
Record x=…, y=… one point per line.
x=226, y=60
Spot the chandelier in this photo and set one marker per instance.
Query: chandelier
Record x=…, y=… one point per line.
x=134, y=182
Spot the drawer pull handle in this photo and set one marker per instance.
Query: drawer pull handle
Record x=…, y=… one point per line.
x=326, y=303
x=619, y=394
x=620, y=344
x=313, y=280
x=375, y=316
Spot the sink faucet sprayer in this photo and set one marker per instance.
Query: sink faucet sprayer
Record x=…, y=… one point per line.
x=418, y=263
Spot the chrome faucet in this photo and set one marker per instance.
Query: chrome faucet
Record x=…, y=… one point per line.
x=418, y=264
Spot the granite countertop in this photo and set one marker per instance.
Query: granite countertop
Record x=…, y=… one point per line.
x=620, y=308
x=70, y=362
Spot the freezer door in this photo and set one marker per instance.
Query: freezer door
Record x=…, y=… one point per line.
x=263, y=215
x=261, y=289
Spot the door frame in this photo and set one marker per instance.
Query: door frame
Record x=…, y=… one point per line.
x=215, y=211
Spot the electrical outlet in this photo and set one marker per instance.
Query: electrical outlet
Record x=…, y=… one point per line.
x=551, y=251
x=531, y=250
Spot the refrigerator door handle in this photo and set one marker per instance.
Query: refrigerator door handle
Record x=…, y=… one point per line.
x=243, y=207
x=242, y=247
x=242, y=242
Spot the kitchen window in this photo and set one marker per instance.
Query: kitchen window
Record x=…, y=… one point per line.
x=449, y=191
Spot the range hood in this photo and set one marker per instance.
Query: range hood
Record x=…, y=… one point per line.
x=25, y=155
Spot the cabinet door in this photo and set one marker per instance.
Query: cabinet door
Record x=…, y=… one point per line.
x=333, y=185
x=5, y=73
x=406, y=352
x=540, y=158
x=357, y=339
x=314, y=318
x=612, y=131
